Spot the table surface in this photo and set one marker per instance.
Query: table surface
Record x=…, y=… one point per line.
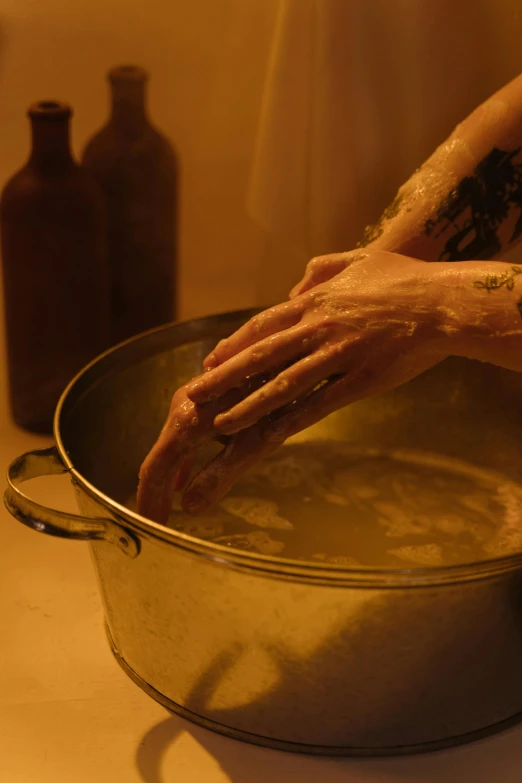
x=69, y=713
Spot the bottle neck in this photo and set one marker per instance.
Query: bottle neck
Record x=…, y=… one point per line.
x=50, y=132
x=129, y=101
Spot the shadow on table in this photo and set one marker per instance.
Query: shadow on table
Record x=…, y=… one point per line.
x=497, y=758
x=154, y=746
x=398, y=673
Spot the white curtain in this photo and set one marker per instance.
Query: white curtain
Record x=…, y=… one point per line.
x=357, y=94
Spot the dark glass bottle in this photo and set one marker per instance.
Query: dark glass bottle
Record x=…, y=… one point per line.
x=53, y=236
x=136, y=167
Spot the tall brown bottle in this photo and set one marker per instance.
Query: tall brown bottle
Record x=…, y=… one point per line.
x=53, y=231
x=137, y=169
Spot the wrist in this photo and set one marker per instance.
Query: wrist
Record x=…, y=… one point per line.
x=477, y=301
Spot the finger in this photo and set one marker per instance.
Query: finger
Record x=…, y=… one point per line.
x=298, y=380
x=188, y=426
x=336, y=393
x=183, y=474
x=323, y=268
x=157, y=482
x=253, y=444
x=385, y=372
x=214, y=481
x=260, y=440
x=158, y=473
x=268, y=354
x=305, y=412
x=276, y=319
x=317, y=276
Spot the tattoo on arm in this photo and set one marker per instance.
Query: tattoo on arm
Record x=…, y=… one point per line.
x=470, y=216
x=476, y=208
x=507, y=279
x=374, y=231
x=491, y=282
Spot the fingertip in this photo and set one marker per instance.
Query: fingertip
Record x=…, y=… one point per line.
x=211, y=362
x=197, y=393
x=225, y=426
x=151, y=509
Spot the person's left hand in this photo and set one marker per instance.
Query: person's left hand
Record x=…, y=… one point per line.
x=322, y=268
x=372, y=327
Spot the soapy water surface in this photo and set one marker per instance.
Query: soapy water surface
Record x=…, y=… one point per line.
x=330, y=503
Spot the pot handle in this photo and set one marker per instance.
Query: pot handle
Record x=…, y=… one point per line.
x=47, y=462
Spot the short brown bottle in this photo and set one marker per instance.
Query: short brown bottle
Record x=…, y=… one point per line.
x=53, y=238
x=136, y=167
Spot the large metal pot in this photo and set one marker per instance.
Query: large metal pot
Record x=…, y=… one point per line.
x=305, y=657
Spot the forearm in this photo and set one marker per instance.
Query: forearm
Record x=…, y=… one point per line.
x=465, y=202
x=481, y=305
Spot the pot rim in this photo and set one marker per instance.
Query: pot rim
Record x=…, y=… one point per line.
x=282, y=568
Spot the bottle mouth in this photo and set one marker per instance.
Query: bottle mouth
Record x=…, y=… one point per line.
x=50, y=110
x=128, y=73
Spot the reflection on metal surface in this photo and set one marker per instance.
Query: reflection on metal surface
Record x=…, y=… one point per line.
x=316, y=750
x=46, y=462
x=312, y=657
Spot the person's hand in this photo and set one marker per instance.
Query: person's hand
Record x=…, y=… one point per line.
x=372, y=327
x=322, y=268
x=188, y=427
x=166, y=468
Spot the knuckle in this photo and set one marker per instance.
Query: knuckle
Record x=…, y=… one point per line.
x=325, y=327
x=334, y=322
x=337, y=351
x=262, y=394
x=314, y=298
x=256, y=323
x=320, y=333
x=308, y=338
x=281, y=385
x=257, y=356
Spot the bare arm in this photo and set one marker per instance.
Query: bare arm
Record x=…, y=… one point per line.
x=485, y=299
x=373, y=327
x=394, y=325
x=465, y=202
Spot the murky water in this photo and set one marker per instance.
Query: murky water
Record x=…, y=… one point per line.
x=326, y=502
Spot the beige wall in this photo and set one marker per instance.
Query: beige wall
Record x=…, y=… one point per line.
x=62, y=48
x=208, y=60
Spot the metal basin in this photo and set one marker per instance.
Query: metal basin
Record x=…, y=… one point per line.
x=305, y=657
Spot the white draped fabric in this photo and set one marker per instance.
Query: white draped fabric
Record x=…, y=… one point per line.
x=357, y=94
